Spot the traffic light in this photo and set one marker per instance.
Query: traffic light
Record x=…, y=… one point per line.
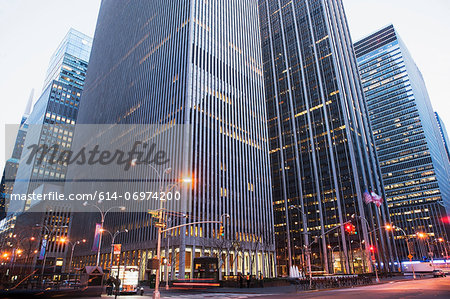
x=372, y=249
x=350, y=229
x=222, y=232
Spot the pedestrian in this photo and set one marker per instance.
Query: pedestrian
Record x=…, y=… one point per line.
x=241, y=281
x=248, y=279
x=109, y=286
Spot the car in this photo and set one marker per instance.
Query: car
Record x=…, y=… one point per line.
x=438, y=273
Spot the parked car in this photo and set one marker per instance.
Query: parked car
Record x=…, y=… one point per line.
x=438, y=273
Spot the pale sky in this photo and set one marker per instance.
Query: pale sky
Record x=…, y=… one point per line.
x=31, y=30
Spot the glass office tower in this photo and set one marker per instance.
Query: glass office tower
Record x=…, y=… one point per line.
x=57, y=106
x=409, y=147
x=70, y=61
x=321, y=149
x=50, y=123
x=12, y=164
x=195, y=63
x=443, y=133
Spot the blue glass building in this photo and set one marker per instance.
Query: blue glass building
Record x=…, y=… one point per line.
x=58, y=104
x=443, y=133
x=409, y=147
x=70, y=61
x=51, y=122
x=12, y=164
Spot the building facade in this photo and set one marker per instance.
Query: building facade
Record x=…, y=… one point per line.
x=56, y=109
x=321, y=149
x=50, y=125
x=70, y=61
x=194, y=63
x=410, y=150
x=12, y=164
x=443, y=133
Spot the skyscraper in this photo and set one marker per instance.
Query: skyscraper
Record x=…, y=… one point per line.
x=322, y=157
x=12, y=164
x=70, y=61
x=56, y=107
x=410, y=150
x=50, y=124
x=195, y=63
x=443, y=133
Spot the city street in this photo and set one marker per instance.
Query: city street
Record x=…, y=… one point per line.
x=425, y=288
x=224, y=149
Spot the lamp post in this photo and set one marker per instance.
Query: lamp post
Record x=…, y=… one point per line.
x=393, y=227
x=372, y=251
x=156, y=294
x=306, y=248
x=430, y=253
x=72, y=250
x=17, y=251
x=369, y=233
x=49, y=233
x=159, y=225
x=103, y=215
x=169, y=220
x=160, y=216
x=441, y=240
x=113, y=237
x=332, y=256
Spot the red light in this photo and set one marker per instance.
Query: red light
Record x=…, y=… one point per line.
x=445, y=219
x=371, y=248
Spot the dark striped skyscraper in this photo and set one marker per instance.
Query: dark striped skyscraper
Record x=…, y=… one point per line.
x=321, y=149
x=195, y=63
x=411, y=152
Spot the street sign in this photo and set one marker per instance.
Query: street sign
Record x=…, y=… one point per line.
x=160, y=224
x=410, y=256
x=152, y=264
x=43, y=248
x=154, y=213
x=117, y=249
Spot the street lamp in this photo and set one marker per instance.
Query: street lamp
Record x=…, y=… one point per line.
x=63, y=240
x=113, y=237
x=430, y=253
x=103, y=215
x=160, y=224
x=393, y=228
x=156, y=293
x=441, y=240
x=49, y=233
x=16, y=251
x=307, y=247
x=332, y=256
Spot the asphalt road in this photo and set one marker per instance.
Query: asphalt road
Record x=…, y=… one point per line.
x=425, y=288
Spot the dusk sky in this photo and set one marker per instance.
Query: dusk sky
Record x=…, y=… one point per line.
x=30, y=32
